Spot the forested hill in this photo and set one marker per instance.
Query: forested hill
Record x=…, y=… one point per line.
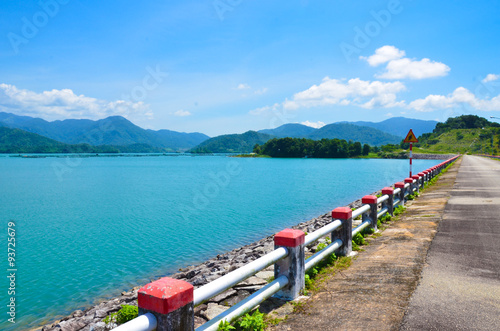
x=462, y=134
x=16, y=141
x=301, y=147
x=232, y=143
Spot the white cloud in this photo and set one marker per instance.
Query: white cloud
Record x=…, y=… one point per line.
x=399, y=67
x=265, y=109
x=384, y=54
x=315, y=125
x=355, y=91
x=243, y=87
x=389, y=115
x=182, y=113
x=490, y=78
x=460, y=96
x=261, y=91
x=64, y=104
x=412, y=69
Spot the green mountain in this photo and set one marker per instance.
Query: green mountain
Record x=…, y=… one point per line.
x=232, y=143
x=399, y=126
x=362, y=134
x=292, y=130
x=17, y=141
x=114, y=130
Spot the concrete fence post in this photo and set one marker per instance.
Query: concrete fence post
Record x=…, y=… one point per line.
x=410, y=188
x=422, y=179
x=293, y=266
x=170, y=301
x=371, y=215
x=389, y=203
x=344, y=214
x=417, y=183
x=401, y=186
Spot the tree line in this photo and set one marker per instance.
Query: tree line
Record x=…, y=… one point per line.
x=301, y=147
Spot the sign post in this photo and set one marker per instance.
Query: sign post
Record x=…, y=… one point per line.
x=411, y=138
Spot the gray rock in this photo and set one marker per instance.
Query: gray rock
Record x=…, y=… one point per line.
x=242, y=294
x=223, y=295
x=100, y=313
x=77, y=313
x=213, y=310
x=72, y=325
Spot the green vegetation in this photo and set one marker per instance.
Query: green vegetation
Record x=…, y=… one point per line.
x=301, y=147
x=125, y=314
x=254, y=322
x=232, y=143
x=462, y=134
x=15, y=141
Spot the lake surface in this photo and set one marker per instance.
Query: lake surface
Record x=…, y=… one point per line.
x=88, y=228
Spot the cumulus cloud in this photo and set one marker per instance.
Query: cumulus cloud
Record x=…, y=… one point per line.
x=315, y=125
x=400, y=67
x=384, y=54
x=265, y=109
x=182, y=113
x=365, y=94
x=459, y=97
x=490, y=78
x=64, y=104
x=243, y=86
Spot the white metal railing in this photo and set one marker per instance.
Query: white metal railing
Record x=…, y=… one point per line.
x=148, y=321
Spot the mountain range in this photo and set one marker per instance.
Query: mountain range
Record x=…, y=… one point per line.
x=80, y=134
x=113, y=130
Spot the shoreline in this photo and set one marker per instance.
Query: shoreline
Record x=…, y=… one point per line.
x=198, y=275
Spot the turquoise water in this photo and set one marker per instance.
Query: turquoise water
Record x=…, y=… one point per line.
x=88, y=228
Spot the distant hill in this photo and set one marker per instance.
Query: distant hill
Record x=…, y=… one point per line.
x=17, y=141
x=399, y=126
x=232, y=143
x=113, y=130
x=292, y=130
x=362, y=134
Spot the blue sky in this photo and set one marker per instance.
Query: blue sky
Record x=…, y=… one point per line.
x=228, y=66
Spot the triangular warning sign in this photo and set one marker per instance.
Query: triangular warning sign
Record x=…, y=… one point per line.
x=410, y=137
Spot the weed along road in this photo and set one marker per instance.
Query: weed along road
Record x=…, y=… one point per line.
x=460, y=285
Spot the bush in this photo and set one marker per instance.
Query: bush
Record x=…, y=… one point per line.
x=127, y=313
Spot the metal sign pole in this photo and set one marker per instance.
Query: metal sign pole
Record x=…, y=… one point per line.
x=411, y=155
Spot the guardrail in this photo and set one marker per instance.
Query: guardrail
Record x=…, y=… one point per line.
x=168, y=304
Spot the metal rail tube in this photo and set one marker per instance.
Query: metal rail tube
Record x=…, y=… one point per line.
x=246, y=304
x=223, y=283
x=312, y=237
x=316, y=258
x=382, y=198
x=360, y=211
x=146, y=322
x=396, y=202
x=382, y=212
x=396, y=191
x=360, y=227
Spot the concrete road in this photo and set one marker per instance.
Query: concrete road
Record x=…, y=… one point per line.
x=460, y=285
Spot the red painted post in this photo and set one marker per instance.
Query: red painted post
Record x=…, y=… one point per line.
x=401, y=186
x=344, y=214
x=372, y=214
x=293, y=266
x=389, y=203
x=417, y=184
x=170, y=301
x=410, y=188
